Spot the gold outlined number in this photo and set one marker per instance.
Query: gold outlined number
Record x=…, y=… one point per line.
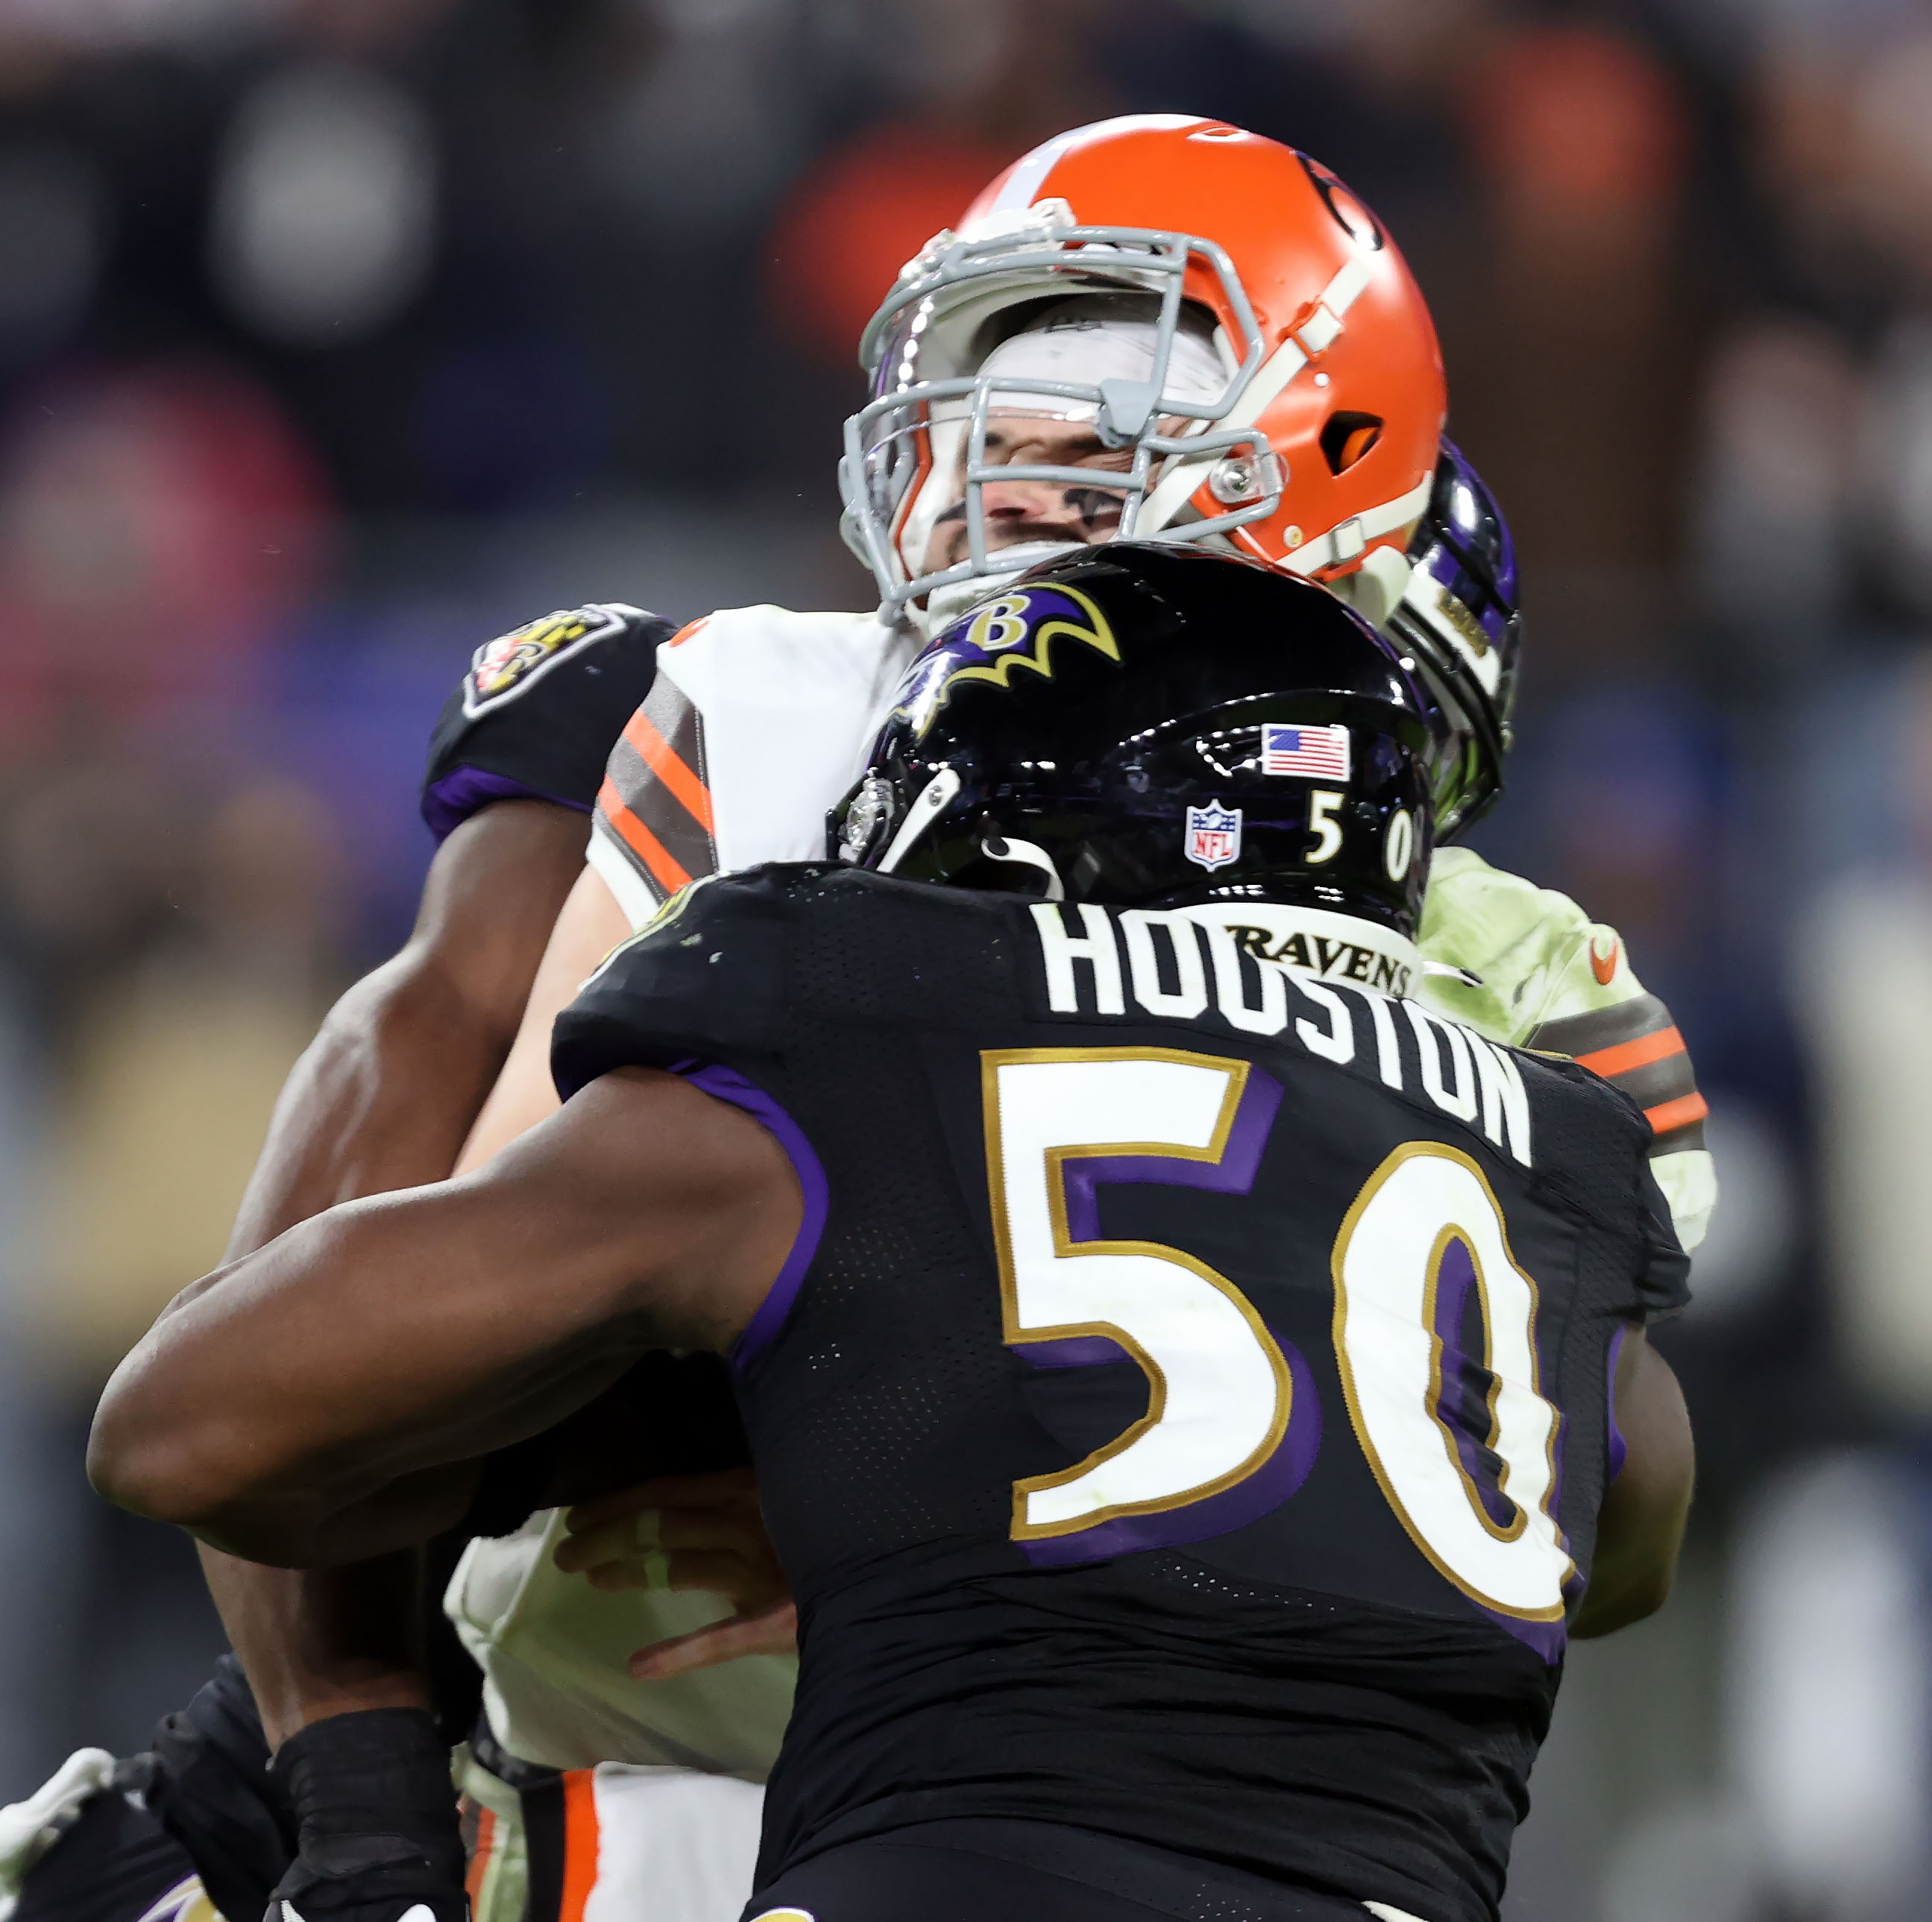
x=1219, y=1388
x=1220, y=1391
x=1386, y=1263
x=1322, y=802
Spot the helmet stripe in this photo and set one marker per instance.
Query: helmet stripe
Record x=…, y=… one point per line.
x=1181, y=483
x=1029, y=173
x=1368, y=526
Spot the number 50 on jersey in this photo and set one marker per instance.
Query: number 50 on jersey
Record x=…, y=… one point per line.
x=1231, y=1429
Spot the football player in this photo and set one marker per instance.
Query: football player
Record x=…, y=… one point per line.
x=1195, y=1393
x=982, y=449
x=980, y=430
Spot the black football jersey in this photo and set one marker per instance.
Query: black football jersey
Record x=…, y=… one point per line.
x=538, y=712
x=1185, y=1413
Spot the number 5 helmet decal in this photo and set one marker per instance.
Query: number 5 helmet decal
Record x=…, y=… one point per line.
x=1293, y=397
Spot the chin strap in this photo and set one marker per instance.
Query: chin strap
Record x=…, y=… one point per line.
x=935, y=797
x=1024, y=854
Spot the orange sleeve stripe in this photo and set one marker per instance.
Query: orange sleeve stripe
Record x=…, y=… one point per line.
x=580, y=1844
x=689, y=631
x=1638, y=1054
x=663, y=761
x=640, y=841
x=1668, y=1115
x=480, y=1862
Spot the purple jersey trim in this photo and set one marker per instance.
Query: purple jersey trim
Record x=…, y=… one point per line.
x=448, y=803
x=1074, y=1351
x=1233, y=1174
x=1271, y=1482
x=1464, y=1378
x=1618, y=1450
x=1263, y=1490
x=726, y=1084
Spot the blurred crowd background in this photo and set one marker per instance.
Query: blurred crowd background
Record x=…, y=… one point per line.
x=338, y=336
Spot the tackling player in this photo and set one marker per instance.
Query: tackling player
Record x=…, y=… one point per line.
x=982, y=429
x=1193, y=1399
x=984, y=447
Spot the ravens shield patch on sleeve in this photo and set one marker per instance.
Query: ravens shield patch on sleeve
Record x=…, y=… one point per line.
x=503, y=668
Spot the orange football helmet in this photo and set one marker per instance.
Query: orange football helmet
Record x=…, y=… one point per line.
x=1319, y=451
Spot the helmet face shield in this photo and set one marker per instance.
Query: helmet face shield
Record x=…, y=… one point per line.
x=1283, y=404
x=919, y=449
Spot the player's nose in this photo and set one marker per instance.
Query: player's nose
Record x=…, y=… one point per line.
x=1038, y=503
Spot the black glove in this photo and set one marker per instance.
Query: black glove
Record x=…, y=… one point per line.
x=372, y=1794
x=206, y=1780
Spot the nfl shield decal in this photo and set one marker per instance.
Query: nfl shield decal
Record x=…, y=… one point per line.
x=1213, y=835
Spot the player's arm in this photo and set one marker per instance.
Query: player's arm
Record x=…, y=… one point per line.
x=590, y=925
x=331, y=1396
x=387, y=1092
x=650, y=834
x=382, y=1099
x=1640, y=1528
x=385, y=1096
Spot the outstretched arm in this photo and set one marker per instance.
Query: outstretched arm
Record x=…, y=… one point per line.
x=331, y=1395
x=382, y=1099
x=1640, y=1529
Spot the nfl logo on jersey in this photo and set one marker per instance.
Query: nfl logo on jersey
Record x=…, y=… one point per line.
x=1213, y=835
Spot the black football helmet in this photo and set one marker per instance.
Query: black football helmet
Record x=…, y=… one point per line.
x=1155, y=726
x=1459, y=621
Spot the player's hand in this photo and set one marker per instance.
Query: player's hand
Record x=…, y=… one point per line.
x=700, y=1532
x=772, y=1631
x=688, y=1532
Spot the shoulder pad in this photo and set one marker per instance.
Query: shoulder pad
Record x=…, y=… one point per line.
x=535, y=715
x=1535, y=955
x=702, y=979
x=757, y=723
x=738, y=966
x=1634, y=1044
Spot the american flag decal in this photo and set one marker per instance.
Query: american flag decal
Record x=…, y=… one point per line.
x=1311, y=754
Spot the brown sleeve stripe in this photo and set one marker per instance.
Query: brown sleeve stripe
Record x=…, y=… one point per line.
x=639, y=793
x=657, y=860
x=655, y=800
x=1678, y=1141
x=663, y=760
x=1669, y=1116
x=1656, y=1082
x=1581, y=1036
x=1639, y=1053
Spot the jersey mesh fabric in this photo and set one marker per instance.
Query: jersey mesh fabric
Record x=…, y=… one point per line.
x=1301, y=1696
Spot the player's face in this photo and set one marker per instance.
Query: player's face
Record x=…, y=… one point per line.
x=1018, y=511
